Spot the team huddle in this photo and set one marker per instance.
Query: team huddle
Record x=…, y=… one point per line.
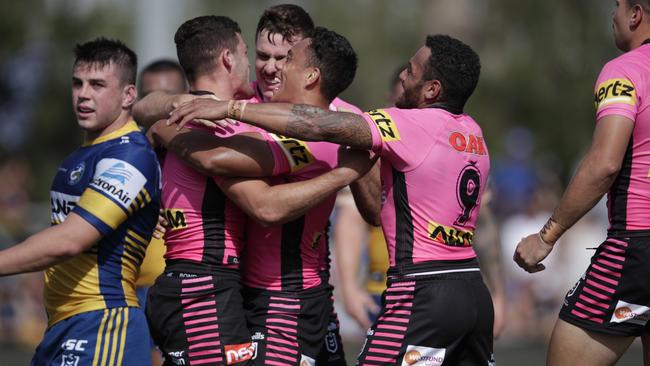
x=240, y=179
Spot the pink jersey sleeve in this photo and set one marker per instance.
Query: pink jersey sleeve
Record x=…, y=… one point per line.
x=398, y=137
x=615, y=93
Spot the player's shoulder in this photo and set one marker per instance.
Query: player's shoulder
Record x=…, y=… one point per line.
x=626, y=62
x=340, y=105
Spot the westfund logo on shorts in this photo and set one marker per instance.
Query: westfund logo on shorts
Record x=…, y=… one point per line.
x=423, y=356
x=630, y=313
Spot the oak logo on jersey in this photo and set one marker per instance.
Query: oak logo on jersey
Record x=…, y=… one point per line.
x=236, y=353
x=425, y=356
x=470, y=144
x=615, y=91
x=175, y=218
x=296, y=151
x=449, y=235
x=119, y=180
x=385, y=124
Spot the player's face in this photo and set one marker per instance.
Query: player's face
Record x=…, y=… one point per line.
x=99, y=95
x=241, y=69
x=412, y=82
x=269, y=51
x=169, y=81
x=620, y=20
x=292, y=73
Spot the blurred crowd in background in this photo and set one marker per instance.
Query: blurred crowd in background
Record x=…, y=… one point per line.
x=534, y=103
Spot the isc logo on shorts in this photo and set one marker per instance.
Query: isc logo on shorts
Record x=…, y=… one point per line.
x=630, y=313
x=296, y=151
x=423, y=356
x=615, y=91
x=236, y=353
x=450, y=236
x=386, y=125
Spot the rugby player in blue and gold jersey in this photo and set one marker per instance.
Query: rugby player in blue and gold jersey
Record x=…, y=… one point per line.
x=105, y=199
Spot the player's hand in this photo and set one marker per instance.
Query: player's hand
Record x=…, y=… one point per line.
x=359, y=304
x=354, y=162
x=530, y=251
x=205, y=111
x=161, y=225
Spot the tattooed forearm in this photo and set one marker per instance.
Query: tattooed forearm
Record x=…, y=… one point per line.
x=313, y=123
x=551, y=231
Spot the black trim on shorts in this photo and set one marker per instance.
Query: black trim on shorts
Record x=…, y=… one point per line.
x=403, y=220
x=440, y=265
x=194, y=267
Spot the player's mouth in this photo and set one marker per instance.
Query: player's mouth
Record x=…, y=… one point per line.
x=84, y=112
x=272, y=83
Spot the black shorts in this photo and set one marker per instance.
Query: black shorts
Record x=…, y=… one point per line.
x=613, y=295
x=198, y=317
x=441, y=319
x=294, y=328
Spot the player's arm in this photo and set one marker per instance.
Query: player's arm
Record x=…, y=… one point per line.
x=367, y=196
x=350, y=239
x=49, y=247
x=242, y=155
x=299, y=121
x=595, y=175
x=274, y=205
x=156, y=106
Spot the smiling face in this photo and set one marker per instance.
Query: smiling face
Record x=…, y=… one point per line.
x=292, y=75
x=99, y=95
x=270, y=52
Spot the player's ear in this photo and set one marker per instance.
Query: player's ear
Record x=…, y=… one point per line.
x=129, y=96
x=637, y=16
x=227, y=58
x=432, y=90
x=312, y=77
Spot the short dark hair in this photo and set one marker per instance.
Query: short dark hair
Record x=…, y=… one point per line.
x=103, y=51
x=336, y=59
x=288, y=20
x=200, y=40
x=163, y=65
x=455, y=65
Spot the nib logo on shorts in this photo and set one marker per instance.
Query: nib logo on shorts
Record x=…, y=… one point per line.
x=630, y=313
x=236, y=353
x=423, y=356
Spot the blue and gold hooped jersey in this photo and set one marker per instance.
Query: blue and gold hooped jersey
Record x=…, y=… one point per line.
x=114, y=183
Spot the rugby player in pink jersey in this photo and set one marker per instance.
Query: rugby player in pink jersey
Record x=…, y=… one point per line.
x=286, y=267
x=609, y=306
x=279, y=28
x=434, y=165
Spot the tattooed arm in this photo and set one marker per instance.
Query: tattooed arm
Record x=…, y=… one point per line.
x=299, y=121
x=594, y=177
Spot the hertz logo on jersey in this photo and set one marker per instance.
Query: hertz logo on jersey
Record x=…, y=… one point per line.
x=296, y=151
x=449, y=235
x=385, y=124
x=615, y=91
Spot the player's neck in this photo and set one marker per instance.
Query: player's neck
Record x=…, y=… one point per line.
x=314, y=99
x=122, y=119
x=221, y=87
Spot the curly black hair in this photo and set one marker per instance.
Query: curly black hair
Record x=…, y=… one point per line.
x=103, y=51
x=200, y=40
x=288, y=20
x=336, y=59
x=455, y=65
